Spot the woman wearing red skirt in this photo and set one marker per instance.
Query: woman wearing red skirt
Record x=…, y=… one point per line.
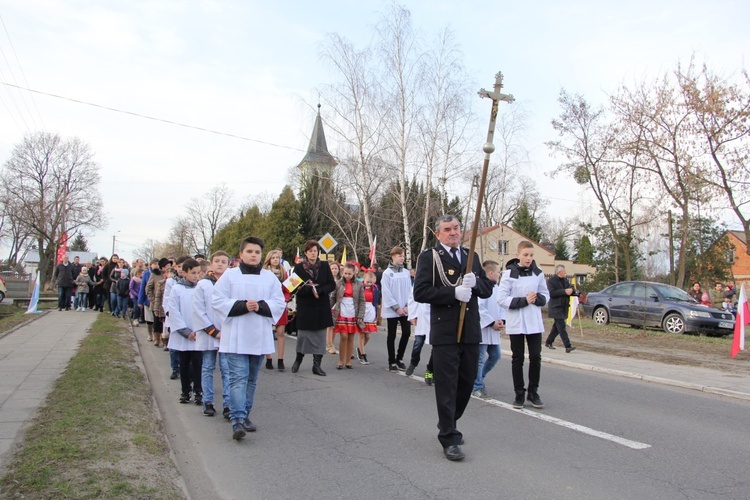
x=273, y=264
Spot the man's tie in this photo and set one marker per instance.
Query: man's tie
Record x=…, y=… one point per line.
x=454, y=253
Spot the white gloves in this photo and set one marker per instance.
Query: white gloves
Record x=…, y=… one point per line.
x=470, y=280
x=463, y=293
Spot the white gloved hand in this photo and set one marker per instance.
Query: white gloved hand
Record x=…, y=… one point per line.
x=470, y=280
x=463, y=293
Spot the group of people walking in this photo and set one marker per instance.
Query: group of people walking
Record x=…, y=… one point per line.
x=209, y=312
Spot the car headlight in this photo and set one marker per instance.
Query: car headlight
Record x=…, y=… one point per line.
x=700, y=314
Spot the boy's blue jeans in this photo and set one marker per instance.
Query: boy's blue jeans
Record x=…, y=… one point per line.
x=492, y=353
x=82, y=299
x=122, y=306
x=207, y=376
x=243, y=377
x=416, y=349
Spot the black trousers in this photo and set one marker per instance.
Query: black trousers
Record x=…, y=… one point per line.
x=558, y=328
x=393, y=356
x=534, y=341
x=191, y=365
x=455, y=369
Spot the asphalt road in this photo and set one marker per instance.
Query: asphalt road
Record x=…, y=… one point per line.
x=368, y=433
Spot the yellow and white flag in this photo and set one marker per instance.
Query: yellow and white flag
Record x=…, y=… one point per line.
x=343, y=257
x=573, y=309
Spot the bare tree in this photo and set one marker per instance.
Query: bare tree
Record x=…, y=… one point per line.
x=721, y=111
x=660, y=125
x=356, y=125
x=401, y=82
x=13, y=229
x=207, y=213
x=444, y=117
x=596, y=159
x=55, y=184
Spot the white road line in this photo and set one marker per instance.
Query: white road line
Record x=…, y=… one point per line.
x=557, y=421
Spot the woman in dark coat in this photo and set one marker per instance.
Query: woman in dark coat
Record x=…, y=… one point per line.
x=313, y=307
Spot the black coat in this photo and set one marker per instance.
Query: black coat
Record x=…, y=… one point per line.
x=64, y=275
x=559, y=301
x=444, y=308
x=314, y=313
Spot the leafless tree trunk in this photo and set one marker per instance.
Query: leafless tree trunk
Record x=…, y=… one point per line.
x=55, y=183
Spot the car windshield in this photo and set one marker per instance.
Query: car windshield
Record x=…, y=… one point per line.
x=673, y=293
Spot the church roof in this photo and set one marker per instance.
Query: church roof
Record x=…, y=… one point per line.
x=317, y=150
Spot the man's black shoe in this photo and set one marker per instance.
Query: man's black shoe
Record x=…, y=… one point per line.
x=549, y=346
x=571, y=348
x=400, y=364
x=453, y=452
x=225, y=412
x=174, y=376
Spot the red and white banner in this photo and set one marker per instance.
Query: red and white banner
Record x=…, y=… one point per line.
x=372, y=252
x=742, y=319
x=62, y=249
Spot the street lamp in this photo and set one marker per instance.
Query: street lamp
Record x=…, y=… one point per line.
x=113, y=242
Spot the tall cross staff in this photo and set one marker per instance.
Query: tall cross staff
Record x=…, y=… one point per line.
x=488, y=149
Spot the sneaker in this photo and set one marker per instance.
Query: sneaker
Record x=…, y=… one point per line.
x=393, y=367
x=401, y=365
x=225, y=412
x=134, y=322
x=209, y=410
x=534, y=400
x=569, y=349
x=269, y=364
x=410, y=370
x=249, y=426
x=477, y=394
x=184, y=398
x=198, y=399
x=281, y=365
x=238, y=430
x=363, y=360
x=518, y=402
x=359, y=354
x=174, y=375
x=549, y=346
x=428, y=377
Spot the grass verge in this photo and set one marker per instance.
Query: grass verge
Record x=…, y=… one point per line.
x=97, y=435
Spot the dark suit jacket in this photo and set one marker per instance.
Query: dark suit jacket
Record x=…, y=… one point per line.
x=559, y=301
x=444, y=308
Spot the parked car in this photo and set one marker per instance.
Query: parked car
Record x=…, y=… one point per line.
x=3, y=290
x=646, y=304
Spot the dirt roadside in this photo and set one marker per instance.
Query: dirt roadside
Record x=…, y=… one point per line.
x=656, y=345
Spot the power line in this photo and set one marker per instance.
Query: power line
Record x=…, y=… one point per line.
x=20, y=68
x=147, y=117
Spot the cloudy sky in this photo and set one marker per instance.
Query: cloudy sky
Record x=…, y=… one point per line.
x=250, y=69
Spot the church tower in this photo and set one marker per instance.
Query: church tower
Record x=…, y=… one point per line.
x=317, y=161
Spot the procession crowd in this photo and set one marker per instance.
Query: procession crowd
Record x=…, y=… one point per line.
x=231, y=312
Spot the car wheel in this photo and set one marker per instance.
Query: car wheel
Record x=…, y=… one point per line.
x=673, y=323
x=601, y=316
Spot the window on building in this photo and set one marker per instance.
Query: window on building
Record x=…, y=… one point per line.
x=502, y=247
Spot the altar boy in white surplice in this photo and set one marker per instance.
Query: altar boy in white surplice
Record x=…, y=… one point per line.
x=249, y=301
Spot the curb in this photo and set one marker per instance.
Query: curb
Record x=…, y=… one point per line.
x=649, y=378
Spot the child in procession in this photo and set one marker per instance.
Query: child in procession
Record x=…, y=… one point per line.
x=372, y=302
x=396, y=286
x=330, y=335
x=492, y=321
x=182, y=337
x=523, y=293
x=419, y=317
x=247, y=301
x=349, y=311
x=208, y=334
x=273, y=264
x=83, y=283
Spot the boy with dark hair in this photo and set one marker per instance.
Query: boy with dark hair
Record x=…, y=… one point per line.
x=523, y=293
x=123, y=292
x=396, y=288
x=247, y=301
x=182, y=336
x=492, y=321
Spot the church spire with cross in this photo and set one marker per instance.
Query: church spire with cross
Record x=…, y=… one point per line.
x=317, y=160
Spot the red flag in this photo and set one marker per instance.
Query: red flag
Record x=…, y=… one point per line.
x=372, y=252
x=63, y=248
x=742, y=319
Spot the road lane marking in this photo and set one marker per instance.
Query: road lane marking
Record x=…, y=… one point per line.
x=635, y=445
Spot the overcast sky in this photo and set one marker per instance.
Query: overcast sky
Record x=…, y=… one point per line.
x=250, y=69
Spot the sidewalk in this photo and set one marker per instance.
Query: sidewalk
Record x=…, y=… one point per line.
x=32, y=357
